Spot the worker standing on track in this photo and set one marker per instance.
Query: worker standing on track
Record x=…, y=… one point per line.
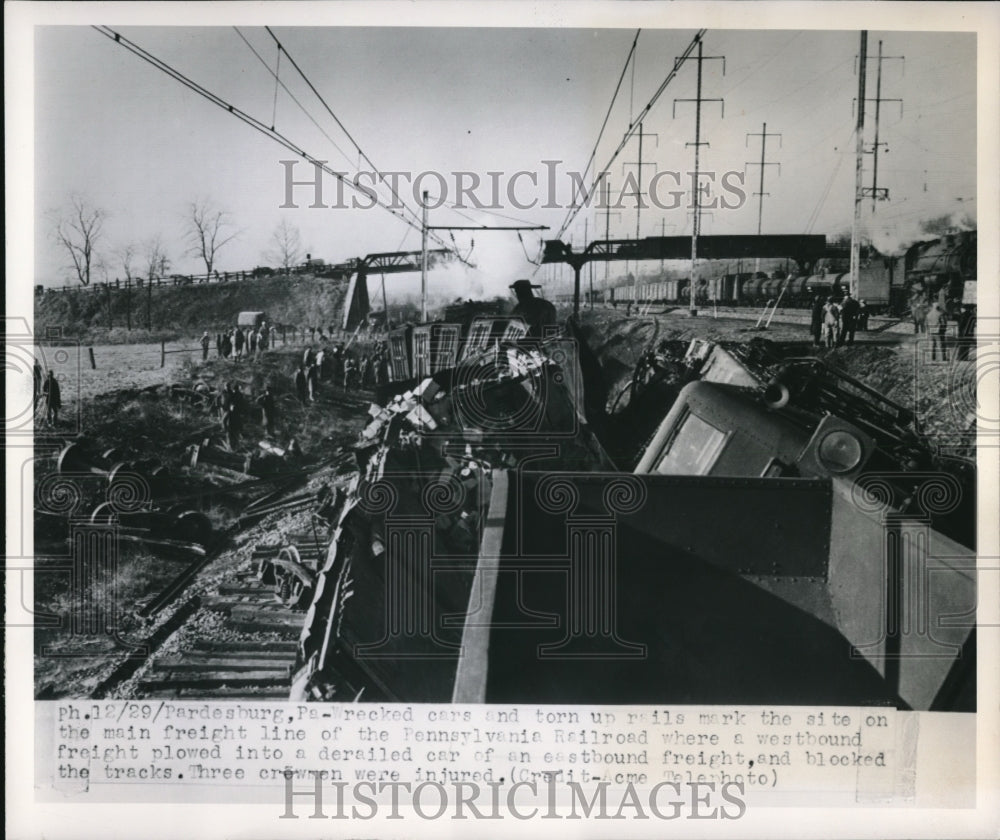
x=205, y=342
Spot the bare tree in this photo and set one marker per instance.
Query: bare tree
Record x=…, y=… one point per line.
x=127, y=259
x=286, y=246
x=208, y=229
x=155, y=258
x=78, y=231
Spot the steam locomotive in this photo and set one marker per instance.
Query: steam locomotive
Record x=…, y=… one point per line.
x=943, y=269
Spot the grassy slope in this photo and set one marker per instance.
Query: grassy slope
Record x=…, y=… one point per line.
x=187, y=310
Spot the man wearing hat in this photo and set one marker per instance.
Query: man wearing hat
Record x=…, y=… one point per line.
x=537, y=312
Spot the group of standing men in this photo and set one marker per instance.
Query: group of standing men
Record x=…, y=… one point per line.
x=234, y=409
x=934, y=320
x=238, y=342
x=834, y=324
x=339, y=366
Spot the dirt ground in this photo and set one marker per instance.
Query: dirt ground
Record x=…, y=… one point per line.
x=135, y=411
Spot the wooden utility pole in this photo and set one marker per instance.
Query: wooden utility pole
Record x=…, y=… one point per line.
x=859, y=164
x=876, y=192
x=423, y=262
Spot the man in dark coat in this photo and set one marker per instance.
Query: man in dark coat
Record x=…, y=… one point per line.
x=536, y=312
x=301, y=385
x=38, y=379
x=816, y=324
x=53, y=399
x=269, y=407
x=849, y=309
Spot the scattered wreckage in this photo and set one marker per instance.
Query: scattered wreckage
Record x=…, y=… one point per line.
x=748, y=528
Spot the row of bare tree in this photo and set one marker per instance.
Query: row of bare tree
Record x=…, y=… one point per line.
x=79, y=231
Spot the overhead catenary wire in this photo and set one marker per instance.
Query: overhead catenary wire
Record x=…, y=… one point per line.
x=814, y=216
x=637, y=121
x=803, y=86
x=250, y=120
x=277, y=79
x=292, y=96
x=780, y=51
x=524, y=248
x=342, y=127
x=629, y=60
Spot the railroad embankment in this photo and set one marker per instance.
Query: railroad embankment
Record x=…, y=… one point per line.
x=103, y=315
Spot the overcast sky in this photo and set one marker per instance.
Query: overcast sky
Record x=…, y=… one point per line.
x=136, y=143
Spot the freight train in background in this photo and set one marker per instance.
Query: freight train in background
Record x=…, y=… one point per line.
x=941, y=269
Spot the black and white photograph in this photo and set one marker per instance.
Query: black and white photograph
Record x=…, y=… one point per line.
x=527, y=371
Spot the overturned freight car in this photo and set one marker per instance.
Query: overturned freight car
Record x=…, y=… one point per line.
x=491, y=550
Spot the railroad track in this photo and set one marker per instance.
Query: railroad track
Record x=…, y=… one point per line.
x=234, y=669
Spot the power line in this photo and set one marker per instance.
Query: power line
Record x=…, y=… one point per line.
x=804, y=85
x=294, y=99
x=814, y=216
x=604, y=124
x=776, y=54
x=633, y=127
x=243, y=116
x=343, y=128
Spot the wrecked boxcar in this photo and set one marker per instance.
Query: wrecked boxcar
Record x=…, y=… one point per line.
x=783, y=536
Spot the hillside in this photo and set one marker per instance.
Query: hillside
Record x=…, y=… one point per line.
x=177, y=311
